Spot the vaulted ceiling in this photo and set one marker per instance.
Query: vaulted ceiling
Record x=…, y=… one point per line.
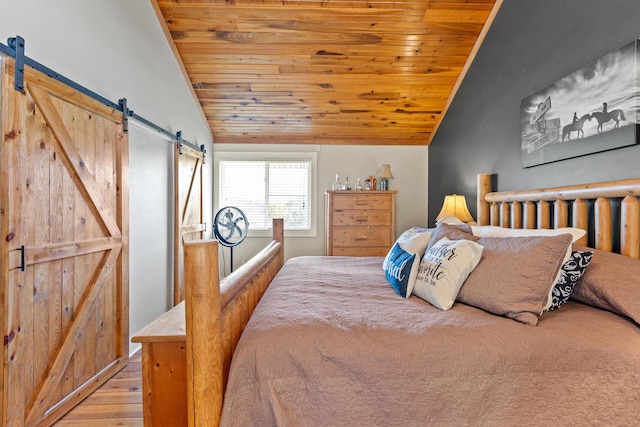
x=379, y=72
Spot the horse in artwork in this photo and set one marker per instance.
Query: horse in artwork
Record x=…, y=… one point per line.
x=575, y=127
x=602, y=117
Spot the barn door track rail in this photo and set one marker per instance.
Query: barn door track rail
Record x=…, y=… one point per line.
x=15, y=48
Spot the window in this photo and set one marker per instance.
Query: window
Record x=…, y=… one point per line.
x=266, y=188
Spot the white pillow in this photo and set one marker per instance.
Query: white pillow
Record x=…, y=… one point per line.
x=412, y=241
x=443, y=270
x=495, y=231
x=449, y=219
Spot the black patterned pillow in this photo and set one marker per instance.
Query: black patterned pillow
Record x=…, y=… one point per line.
x=570, y=273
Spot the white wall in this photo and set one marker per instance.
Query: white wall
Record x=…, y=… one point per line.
x=117, y=49
x=408, y=166
x=151, y=226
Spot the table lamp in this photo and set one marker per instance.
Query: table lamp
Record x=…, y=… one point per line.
x=455, y=205
x=384, y=174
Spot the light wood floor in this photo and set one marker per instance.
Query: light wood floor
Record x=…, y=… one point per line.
x=116, y=403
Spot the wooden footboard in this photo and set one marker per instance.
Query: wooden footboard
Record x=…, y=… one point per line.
x=582, y=206
x=186, y=352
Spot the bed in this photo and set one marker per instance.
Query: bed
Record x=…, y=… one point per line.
x=332, y=343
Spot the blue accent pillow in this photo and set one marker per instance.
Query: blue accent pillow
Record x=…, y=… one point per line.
x=570, y=273
x=400, y=268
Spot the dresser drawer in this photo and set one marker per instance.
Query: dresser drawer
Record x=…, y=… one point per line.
x=361, y=236
x=375, y=251
x=372, y=218
x=361, y=201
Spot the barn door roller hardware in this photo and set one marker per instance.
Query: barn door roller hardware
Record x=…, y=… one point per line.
x=17, y=44
x=15, y=49
x=125, y=114
x=179, y=140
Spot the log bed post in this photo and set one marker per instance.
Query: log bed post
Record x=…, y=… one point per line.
x=278, y=235
x=209, y=307
x=187, y=351
x=630, y=238
x=203, y=333
x=483, y=207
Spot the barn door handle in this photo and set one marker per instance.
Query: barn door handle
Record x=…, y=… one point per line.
x=22, y=258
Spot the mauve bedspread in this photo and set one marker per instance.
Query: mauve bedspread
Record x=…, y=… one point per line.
x=331, y=344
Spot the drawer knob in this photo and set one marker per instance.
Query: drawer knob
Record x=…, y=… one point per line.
x=362, y=219
x=359, y=238
x=361, y=202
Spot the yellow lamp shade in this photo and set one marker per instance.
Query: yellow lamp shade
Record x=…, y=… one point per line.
x=385, y=172
x=385, y=175
x=455, y=205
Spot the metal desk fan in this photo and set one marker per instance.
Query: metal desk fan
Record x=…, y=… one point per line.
x=230, y=227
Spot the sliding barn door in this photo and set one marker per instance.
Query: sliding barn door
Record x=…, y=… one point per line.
x=188, y=205
x=64, y=205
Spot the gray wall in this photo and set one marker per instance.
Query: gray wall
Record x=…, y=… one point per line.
x=531, y=45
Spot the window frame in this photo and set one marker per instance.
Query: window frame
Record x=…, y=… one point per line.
x=292, y=156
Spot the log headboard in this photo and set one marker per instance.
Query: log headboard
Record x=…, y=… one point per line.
x=608, y=211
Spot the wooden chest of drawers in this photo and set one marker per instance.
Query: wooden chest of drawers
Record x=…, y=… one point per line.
x=360, y=223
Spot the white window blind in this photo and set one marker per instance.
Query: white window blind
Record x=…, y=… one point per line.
x=266, y=189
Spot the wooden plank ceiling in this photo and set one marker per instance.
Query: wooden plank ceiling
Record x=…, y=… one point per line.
x=377, y=72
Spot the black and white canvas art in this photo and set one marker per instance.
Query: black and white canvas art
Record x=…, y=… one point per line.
x=591, y=110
